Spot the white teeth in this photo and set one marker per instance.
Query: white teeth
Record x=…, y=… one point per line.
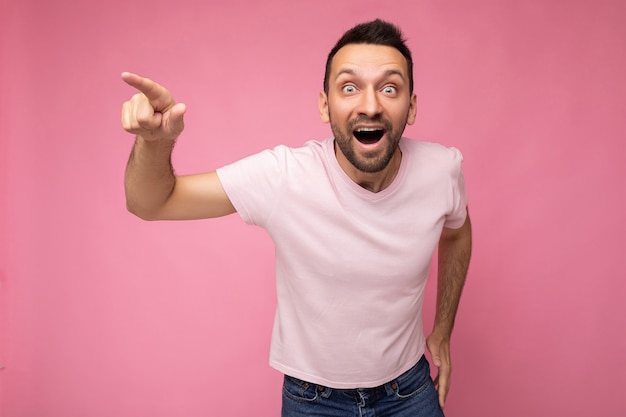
x=367, y=129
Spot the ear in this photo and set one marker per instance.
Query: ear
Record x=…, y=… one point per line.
x=412, y=110
x=322, y=104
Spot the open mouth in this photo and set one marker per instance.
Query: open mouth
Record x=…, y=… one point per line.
x=368, y=136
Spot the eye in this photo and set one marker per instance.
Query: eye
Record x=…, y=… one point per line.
x=349, y=89
x=390, y=90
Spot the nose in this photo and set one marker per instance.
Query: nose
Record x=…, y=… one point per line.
x=369, y=104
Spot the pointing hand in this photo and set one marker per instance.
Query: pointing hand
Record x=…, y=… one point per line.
x=152, y=113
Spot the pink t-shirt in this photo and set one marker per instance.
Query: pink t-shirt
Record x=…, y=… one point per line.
x=351, y=265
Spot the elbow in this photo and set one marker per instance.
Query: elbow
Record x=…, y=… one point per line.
x=141, y=213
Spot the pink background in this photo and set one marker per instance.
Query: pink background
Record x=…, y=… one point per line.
x=102, y=314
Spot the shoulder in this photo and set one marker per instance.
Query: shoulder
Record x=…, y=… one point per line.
x=281, y=153
x=431, y=149
x=277, y=164
x=432, y=153
x=313, y=148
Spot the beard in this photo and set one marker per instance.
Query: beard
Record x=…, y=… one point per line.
x=369, y=161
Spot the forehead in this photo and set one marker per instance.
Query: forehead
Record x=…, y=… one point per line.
x=368, y=58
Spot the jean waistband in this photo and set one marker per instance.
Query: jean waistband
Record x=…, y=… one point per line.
x=386, y=389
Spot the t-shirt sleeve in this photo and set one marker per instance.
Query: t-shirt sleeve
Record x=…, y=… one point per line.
x=252, y=184
x=455, y=217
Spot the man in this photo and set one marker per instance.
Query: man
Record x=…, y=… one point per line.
x=355, y=220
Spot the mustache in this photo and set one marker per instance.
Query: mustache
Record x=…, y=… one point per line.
x=370, y=120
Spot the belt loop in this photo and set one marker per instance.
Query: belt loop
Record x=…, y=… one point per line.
x=323, y=391
x=391, y=387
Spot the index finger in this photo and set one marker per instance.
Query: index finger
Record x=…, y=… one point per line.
x=442, y=391
x=443, y=382
x=149, y=88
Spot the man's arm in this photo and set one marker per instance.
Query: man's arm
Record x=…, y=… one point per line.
x=455, y=247
x=153, y=191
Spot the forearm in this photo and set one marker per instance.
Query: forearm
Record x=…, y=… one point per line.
x=149, y=179
x=455, y=248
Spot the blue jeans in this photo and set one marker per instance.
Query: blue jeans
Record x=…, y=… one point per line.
x=412, y=394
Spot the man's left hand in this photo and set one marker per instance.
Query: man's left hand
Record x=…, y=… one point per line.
x=439, y=348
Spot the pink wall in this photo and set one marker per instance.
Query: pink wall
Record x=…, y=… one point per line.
x=103, y=314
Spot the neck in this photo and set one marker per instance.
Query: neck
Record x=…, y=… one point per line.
x=371, y=181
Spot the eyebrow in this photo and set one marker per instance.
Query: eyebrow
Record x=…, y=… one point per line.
x=388, y=73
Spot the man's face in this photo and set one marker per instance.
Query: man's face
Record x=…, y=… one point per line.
x=368, y=104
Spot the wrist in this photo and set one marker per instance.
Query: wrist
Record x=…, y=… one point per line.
x=441, y=332
x=155, y=142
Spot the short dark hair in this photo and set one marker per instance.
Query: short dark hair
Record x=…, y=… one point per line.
x=376, y=32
